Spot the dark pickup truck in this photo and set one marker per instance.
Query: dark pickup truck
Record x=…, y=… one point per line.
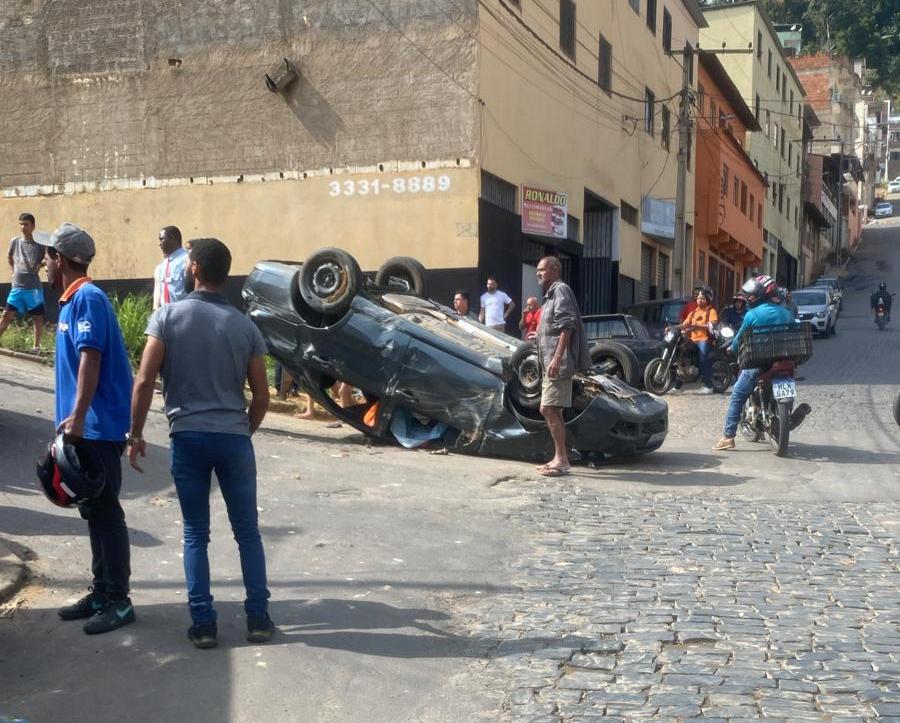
x=621, y=346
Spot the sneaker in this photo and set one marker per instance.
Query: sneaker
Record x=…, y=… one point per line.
x=89, y=605
x=723, y=444
x=705, y=390
x=113, y=615
x=203, y=636
x=675, y=390
x=799, y=414
x=260, y=629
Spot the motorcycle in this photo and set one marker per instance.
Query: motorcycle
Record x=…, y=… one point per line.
x=680, y=360
x=769, y=412
x=880, y=316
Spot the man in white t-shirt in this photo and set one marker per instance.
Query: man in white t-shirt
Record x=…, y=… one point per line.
x=496, y=306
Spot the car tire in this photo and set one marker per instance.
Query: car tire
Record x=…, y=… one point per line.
x=525, y=385
x=329, y=279
x=628, y=369
x=403, y=271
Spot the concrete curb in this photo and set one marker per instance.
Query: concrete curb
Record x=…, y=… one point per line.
x=13, y=573
x=43, y=360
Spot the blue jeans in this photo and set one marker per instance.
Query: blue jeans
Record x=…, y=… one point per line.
x=195, y=455
x=740, y=393
x=705, y=367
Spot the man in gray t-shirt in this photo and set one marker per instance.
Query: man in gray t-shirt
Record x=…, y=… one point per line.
x=206, y=350
x=26, y=296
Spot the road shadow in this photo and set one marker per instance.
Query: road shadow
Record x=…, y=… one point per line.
x=21, y=521
x=829, y=453
x=662, y=468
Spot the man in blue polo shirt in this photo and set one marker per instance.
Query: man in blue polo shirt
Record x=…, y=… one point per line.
x=93, y=406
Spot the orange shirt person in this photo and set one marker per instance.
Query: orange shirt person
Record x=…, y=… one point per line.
x=698, y=326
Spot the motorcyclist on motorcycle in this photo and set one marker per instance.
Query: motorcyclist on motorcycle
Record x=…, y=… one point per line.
x=762, y=296
x=698, y=326
x=883, y=297
x=733, y=315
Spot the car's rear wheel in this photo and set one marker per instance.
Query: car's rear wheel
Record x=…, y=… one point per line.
x=525, y=386
x=616, y=360
x=329, y=279
x=403, y=273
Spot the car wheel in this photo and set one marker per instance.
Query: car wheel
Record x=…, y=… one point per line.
x=329, y=279
x=403, y=273
x=525, y=385
x=616, y=360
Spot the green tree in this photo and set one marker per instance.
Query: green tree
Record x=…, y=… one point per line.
x=867, y=29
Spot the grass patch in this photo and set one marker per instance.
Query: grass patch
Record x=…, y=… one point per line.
x=133, y=313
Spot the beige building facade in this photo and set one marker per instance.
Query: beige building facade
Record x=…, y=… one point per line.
x=769, y=85
x=409, y=130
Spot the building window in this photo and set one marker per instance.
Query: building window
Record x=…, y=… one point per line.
x=722, y=121
x=777, y=78
x=775, y=135
x=649, y=103
x=790, y=154
x=665, y=130
x=780, y=197
x=701, y=99
x=769, y=65
x=651, y=15
x=774, y=195
x=768, y=124
x=792, y=102
x=567, y=27
x=759, y=45
x=759, y=215
x=701, y=266
x=757, y=109
x=782, y=142
x=629, y=213
x=743, y=198
x=787, y=208
x=713, y=114
x=752, y=208
x=604, y=76
x=737, y=192
x=784, y=90
x=667, y=31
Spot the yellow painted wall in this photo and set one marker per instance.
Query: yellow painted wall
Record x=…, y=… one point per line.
x=546, y=126
x=737, y=26
x=281, y=219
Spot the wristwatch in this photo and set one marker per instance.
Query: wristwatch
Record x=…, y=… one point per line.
x=131, y=438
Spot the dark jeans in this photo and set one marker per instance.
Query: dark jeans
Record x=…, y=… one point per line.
x=703, y=350
x=110, y=548
x=195, y=456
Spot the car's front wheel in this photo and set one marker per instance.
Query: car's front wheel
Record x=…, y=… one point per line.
x=329, y=279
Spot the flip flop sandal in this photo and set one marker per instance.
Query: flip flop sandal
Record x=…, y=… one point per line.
x=554, y=472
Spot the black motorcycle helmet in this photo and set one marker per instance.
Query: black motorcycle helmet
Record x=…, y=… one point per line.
x=69, y=473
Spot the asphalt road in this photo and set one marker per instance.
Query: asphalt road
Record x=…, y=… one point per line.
x=413, y=587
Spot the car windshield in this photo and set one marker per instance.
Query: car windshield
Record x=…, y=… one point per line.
x=809, y=298
x=884, y=205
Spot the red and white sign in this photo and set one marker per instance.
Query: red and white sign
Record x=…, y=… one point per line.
x=544, y=213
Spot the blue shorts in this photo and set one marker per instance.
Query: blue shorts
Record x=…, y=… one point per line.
x=26, y=301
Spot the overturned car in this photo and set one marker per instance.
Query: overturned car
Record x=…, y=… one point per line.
x=326, y=322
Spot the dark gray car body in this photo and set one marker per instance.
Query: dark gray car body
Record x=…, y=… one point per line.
x=400, y=350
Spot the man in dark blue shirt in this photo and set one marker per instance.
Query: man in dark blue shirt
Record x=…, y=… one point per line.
x=93, y=404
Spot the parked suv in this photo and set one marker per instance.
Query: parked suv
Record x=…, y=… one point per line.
x=657, y=315
x=816, y=306
x=620, y=346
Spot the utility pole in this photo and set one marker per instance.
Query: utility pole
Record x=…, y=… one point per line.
x=840, y=200
x=681, y=254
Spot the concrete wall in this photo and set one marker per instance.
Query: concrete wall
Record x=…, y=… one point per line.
x=125, y=115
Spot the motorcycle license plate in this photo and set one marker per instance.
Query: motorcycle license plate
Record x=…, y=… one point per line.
x=784, y=388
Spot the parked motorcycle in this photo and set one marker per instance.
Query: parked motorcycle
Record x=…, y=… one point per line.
x=880, y=316
x=681, y=360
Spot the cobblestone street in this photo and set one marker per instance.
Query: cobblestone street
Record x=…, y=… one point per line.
x=651, y=606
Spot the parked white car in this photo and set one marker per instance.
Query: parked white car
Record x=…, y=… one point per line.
x=884, y=209
x=817, y=306
x=894, y=186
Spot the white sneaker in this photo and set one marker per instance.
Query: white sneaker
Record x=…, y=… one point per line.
x=705, y=390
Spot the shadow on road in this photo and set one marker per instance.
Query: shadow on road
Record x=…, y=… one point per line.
x=675, y=469
x=830, y=453
x=21, y=521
